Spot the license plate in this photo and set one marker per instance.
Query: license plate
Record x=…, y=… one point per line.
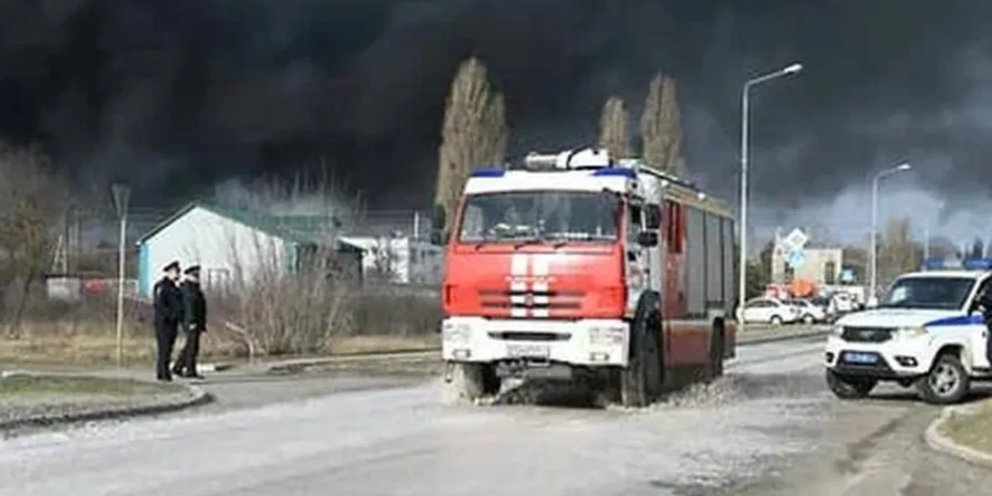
x=528, y=350
x=867, y=358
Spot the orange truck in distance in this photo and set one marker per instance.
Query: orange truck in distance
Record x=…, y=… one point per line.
x=581, y=268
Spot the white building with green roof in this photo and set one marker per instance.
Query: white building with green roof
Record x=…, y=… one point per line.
x=233, y=245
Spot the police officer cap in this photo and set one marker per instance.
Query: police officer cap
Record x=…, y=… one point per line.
x=174, y=265
x=192, y=269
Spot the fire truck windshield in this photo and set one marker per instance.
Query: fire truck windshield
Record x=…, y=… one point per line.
x=540, y=216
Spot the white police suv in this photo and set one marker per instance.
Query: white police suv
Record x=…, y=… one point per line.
x=927, y=332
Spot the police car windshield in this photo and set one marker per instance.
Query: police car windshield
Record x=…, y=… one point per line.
x=937, y=293
x=540, y=215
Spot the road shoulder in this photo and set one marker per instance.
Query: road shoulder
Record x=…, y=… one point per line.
x=953, y=432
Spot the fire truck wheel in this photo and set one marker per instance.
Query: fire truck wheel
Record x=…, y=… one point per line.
x=640, y=382
x=463, y=384
x=716, y=351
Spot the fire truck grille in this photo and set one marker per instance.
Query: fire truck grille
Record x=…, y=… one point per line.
x=531, y=300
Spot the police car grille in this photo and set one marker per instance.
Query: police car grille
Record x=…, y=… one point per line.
x=867, y=334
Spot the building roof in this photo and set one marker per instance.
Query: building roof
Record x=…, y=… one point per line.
x=302, y=229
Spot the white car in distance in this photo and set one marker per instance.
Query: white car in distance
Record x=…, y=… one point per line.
x=809, y=312
x=769, y=311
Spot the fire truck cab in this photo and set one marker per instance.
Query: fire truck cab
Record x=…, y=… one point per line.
x=579, y=267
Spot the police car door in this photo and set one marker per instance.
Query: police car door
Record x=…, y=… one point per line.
x=978, y=330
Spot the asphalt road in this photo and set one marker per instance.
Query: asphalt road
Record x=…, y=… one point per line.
x=768, y=428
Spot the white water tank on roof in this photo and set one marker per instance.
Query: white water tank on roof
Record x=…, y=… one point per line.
x=587, y=158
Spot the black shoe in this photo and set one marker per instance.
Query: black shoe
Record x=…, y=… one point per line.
x=177, y=370
x=193, y=375
x=165, y=378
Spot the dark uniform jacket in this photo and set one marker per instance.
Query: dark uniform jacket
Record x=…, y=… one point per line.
x=194, y=307
x=168, y=303
x=984, y=302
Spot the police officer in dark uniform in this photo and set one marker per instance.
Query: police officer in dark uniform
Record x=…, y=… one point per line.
x=168, y=314
x=194, y=323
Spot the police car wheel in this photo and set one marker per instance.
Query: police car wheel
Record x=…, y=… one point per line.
x=946, y=383
x=775, y=320
x=848, y=387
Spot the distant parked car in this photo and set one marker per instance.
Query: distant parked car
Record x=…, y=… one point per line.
x=769, y=310
x=829, y=306
x=809, y=313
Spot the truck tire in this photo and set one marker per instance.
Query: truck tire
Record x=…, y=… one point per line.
x=463, y=384
x=715, y=366
x=848, y=387
x=946, y=383
x=640, y=382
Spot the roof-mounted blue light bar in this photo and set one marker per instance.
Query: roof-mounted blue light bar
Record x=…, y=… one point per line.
x=616, y=171
x=978, y=264
x=489, y=172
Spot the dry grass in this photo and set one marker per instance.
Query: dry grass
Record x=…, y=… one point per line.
x=972, y=430
x=98, y=349
x=375, y=344
x=25, y=386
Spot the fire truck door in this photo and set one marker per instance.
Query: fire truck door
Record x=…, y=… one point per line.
x=637, y=257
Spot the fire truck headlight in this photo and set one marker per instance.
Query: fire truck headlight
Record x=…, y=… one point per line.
x=455, y=333
x=607, y=336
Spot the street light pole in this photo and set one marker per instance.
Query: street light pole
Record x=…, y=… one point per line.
x=121, y=195
x=874, y=223
x=742, y=269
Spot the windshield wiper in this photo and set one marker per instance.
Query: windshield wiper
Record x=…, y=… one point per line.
x=534, y=240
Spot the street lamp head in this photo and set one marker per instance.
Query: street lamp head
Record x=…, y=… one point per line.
x=793, y=69
x=904, y=167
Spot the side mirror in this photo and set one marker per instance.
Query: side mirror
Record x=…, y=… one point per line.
x=652, y=217
x=647, y=239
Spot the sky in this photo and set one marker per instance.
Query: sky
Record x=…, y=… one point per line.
x=177, y=96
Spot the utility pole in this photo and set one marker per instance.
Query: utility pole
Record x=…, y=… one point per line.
x=121, y=194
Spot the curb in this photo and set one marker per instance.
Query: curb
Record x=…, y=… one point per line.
x=943, y=444
x=197, y=397
x=295, y=366
x=303, y=364
x=785, y=337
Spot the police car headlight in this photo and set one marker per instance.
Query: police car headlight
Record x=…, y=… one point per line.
x=606, y=336
x=455, y=333
x=837, y=331
x=911, y=332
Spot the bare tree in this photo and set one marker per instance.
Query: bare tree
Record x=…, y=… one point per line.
x=474, y=132
x=613, y=135
x=661, y=129
x=898, y=253
x=32, y=202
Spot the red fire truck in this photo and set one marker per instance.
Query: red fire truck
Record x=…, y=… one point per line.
x=578, y=267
